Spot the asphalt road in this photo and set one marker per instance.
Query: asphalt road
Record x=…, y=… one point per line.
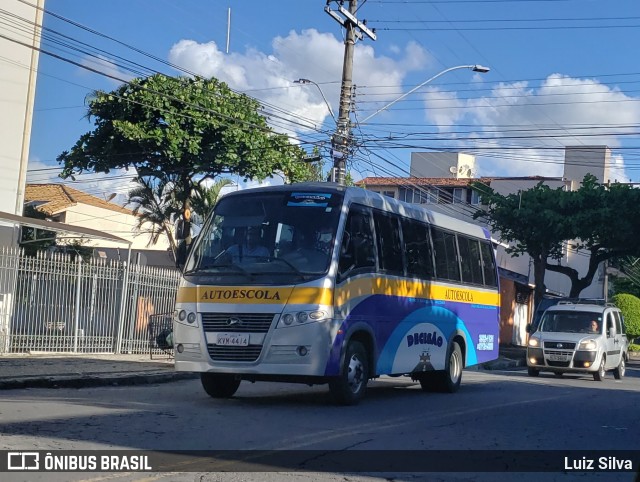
x=492, y=411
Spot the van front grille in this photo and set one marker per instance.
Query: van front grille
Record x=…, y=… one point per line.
x=564, y=345
x=237, y=322
x=234, y=353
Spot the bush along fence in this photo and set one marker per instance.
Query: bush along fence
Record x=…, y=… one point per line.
x=55, y=303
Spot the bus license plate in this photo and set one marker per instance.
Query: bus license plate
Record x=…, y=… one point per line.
x=558, y=357
x=232, y=339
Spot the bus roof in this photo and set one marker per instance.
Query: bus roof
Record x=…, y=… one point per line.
x=380, y=201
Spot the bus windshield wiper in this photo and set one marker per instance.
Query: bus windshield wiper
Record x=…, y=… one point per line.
x=237, y=268
x=293, y=268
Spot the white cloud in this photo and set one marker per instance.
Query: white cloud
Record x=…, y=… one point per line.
x=307, y=54
x=536, y=120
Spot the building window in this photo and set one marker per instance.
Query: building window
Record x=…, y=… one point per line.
x=458, y=195
x=429, y=196
x=475, y=198
x=391, y=194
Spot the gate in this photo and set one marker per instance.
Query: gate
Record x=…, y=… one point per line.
x=55, y=303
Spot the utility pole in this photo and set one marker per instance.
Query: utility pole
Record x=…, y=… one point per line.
x=341, y=139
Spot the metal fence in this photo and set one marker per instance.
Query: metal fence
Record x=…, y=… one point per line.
x=55, y=303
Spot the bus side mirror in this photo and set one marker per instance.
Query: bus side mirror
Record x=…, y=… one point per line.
x=181, y=253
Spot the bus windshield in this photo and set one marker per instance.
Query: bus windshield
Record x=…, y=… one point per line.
x=286, y=235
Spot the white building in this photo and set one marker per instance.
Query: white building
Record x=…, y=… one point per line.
x=19, y=65
x=68, y=205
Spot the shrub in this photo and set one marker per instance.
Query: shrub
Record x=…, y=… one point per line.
x=630, y=307
x=634, y=347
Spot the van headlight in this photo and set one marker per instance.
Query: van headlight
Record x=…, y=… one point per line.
x=588, y=345
x=186, y=317
x=302, y=317
x=534, y=342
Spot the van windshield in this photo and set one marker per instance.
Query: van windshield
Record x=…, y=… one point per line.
x=282, y=234
x=571, y=322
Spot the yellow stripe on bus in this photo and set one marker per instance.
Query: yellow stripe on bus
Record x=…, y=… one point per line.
x=255, y=295
x=324, y=296
x=413, y=289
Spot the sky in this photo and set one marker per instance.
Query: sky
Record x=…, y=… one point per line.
x=562, y=73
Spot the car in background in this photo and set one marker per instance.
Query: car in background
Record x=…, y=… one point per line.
x=578, y=337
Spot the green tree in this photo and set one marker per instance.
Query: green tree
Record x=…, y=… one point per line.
x=540, y=221
x=33, y=240
x=630, y=307
x=599, y=228
x=629, y=280
x=206, y=197
x=154, y=203
x=536, y=221
x=181, y=131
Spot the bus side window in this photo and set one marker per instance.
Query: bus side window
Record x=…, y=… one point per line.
x=418, y=249
x=488, y=264
x=356, y=251
x=444, y=245
x=388, y=241
x=470, y=260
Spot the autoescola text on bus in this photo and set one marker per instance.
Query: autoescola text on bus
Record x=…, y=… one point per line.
x=324, y=284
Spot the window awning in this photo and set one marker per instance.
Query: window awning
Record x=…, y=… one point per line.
x=60, y=227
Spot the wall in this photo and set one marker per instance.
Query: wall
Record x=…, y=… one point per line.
x=582, y=160
x=438, y=164
x=18, y=67
x=112, y=222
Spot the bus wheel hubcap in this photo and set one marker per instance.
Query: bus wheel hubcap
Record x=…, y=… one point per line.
x=354, y=376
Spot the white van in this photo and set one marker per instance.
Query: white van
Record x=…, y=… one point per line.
x=579, y=338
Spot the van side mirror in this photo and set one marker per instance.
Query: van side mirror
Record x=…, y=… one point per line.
x=529, y=328
x=182, y=252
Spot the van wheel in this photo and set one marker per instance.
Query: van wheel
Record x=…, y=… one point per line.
x=349, y=387
x=533, y=372
x=448, y=381
x=599, y=375
x=618, y=373
x=219, y=385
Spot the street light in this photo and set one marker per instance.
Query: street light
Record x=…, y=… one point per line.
x=475, y=68
x=306, y=82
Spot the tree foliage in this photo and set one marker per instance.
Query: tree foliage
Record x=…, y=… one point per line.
x=33, y=240
x=155, y=204
x=178, y=132
x=628, y=281
x=534, y=221
x=630, y=307
x=544, y=222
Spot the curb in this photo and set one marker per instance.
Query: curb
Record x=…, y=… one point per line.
x=85, y=381
x=503, y=364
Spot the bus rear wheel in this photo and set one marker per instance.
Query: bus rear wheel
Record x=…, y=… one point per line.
x=349, y=387
x=219, y=385
x=449, y=380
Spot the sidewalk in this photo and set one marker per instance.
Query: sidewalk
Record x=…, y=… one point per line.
x=68, y=370
x=90, y=370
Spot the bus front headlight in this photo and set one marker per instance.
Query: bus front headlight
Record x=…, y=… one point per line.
x=303, y=317
x=287, y=319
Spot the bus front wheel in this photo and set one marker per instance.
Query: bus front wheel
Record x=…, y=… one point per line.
x=219, y=385
x=349, y=387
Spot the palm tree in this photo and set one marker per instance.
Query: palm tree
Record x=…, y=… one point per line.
x=154, y=202
x=206, y=197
